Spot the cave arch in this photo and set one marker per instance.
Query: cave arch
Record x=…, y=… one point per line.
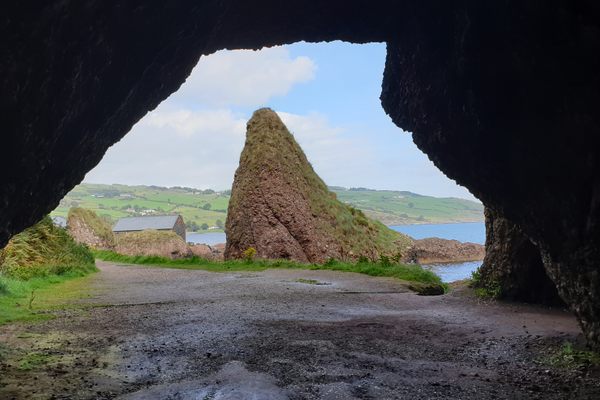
x=502, y=96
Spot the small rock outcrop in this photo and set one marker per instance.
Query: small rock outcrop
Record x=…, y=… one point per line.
x=86, y=227
x=152, y=243
x=207, y=252
x=436, y=250
x=513, y=268
x=280, y=207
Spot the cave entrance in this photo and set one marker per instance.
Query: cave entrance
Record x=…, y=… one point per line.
x=328, y=96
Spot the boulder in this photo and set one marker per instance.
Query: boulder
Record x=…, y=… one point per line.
x=207, y=252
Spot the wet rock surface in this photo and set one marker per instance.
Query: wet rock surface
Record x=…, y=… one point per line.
x=163, y=333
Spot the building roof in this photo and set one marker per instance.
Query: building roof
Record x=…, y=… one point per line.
x=142, y=223
x=61, y=222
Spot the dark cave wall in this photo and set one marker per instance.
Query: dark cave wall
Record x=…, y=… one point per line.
x=77, y=75
x=513, y=268
x=503, y=97
x=505, y=101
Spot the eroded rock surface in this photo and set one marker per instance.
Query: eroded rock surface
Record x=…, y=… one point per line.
x=281, y=208
x=513, y=267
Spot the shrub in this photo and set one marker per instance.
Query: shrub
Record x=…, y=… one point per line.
x=249, y=254
x=330, y=262
x=363, y=260
x=385, y=261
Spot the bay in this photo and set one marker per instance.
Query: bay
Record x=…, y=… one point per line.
x=465, y=232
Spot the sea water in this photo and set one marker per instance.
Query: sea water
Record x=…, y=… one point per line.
x=465, y=232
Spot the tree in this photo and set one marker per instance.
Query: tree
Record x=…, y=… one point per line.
x=219, y=223
x=191, y=226
x=411, y=205
x=207, y=206
x=204, y=226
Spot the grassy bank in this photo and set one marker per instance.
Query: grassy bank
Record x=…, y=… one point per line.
x=35, y=298
x=35, y=266
x=421, y=280
x=44, y=250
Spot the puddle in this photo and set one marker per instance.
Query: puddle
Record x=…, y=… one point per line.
x=232, y=382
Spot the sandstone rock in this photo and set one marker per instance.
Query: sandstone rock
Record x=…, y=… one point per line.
x=436, y=250
x=152, y=243
x=207, y=252
x=280, y=207
x=220, y=247
x=201, y=250
x=513, y=266
x=86, y=227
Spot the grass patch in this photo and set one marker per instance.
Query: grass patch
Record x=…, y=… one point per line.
x=569, y=357
x=489, y=289
x=31, y=300
x=34, y=360
x=33, y=264
x=410, y=272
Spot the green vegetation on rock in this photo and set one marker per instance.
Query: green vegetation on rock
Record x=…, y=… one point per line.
x=152, y=242
x=44, y=250
x=79, y=218
x=32, y=263
x=281, y=207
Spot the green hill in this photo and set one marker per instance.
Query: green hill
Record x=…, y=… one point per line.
x=208, y=207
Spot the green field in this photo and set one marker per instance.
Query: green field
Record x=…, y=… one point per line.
x=200, y=207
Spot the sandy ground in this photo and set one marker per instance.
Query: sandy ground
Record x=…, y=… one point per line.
x=153, y=333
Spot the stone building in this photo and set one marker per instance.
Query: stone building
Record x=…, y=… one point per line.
x=160, y=223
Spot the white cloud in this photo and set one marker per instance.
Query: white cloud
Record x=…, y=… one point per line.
x=181, y=147
x=332, y=151
x=244, y=77
x=202, y=148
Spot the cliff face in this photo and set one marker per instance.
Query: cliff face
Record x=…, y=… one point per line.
x=280, y=207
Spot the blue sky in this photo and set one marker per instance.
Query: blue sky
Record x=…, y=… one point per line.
x=327, y=94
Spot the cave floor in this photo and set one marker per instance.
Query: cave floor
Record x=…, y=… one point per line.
x=156, y=333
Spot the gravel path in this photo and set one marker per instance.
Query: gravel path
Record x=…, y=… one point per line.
x=156, y=333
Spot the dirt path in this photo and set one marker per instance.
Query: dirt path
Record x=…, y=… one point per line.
x=158, y=333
